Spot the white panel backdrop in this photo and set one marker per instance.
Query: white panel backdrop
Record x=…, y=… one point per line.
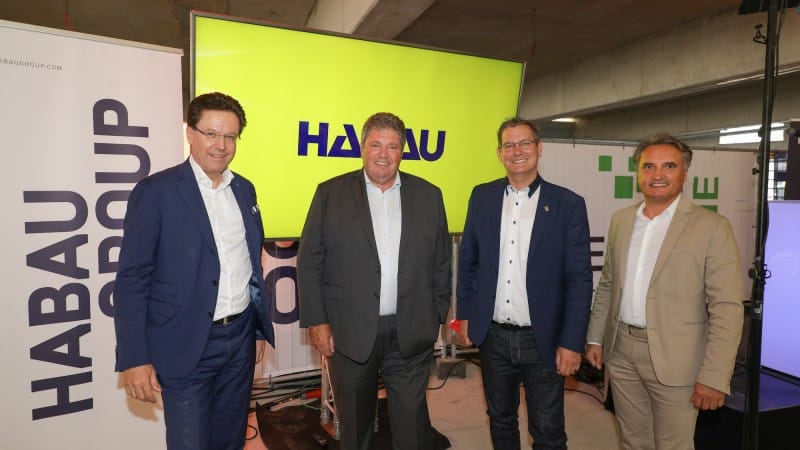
x=601, y=174
x=83, y=119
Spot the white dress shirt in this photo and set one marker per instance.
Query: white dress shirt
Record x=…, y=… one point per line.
x=387, y=218
x=646, y=240
x=516, y=226
x=233, y=294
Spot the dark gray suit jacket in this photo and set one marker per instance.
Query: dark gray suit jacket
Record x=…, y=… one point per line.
x=339, y=271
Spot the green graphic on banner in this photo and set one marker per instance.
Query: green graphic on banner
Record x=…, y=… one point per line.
x=604, y=163
x=705, y=195
x=625, y=186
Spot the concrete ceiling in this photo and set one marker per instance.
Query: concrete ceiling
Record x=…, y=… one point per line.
x=548, y=34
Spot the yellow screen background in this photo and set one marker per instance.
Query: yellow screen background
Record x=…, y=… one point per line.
x=284, y=76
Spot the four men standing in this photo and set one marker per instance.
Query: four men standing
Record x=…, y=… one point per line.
x=374, y=280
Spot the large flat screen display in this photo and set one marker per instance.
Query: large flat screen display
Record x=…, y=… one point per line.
x=782, y=290
x=306, y=95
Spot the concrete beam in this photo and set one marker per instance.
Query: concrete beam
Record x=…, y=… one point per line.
x=388, y=18
x=702, y=56
x=379, y=19
x=340, y=16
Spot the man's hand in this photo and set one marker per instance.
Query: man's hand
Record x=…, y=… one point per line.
x=594, y=354
x=461, y=334
x=140, y=382
x=261, y=345
x=705, y=397
x=321, y=337
x=567, y=361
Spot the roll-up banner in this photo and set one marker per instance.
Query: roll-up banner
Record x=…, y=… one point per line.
x=83, y=119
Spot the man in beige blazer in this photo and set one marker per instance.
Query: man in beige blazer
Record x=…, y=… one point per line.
x=668, y=307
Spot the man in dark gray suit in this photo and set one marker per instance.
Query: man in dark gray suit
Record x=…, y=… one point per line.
x=374, y=280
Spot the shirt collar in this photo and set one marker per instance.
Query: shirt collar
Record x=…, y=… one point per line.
x=531, y=187
x=396, y=184
x=667, y=213
x=204, y=180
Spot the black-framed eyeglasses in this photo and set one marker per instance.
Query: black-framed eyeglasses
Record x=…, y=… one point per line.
x=524, y=145
x=213, y=135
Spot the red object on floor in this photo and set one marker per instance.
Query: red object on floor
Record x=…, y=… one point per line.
x=455, y=324
x=316, y=393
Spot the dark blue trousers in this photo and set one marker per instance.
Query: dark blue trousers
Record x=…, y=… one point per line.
x=207, y=410
x=509, y=357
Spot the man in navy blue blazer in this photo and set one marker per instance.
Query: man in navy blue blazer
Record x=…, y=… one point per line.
x=524, y=289
x=189, y=311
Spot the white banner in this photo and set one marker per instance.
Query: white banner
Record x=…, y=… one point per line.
x=292, y=352
x=604, y=175
x=83, y=119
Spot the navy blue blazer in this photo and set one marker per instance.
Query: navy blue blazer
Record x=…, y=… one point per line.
x=559, y=273
x=165, y=292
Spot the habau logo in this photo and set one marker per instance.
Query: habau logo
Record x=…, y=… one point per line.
x=415, y=150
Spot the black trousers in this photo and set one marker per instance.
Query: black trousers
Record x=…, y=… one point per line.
x=355, y=389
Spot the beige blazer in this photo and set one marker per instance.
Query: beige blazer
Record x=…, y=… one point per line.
x=694, y=302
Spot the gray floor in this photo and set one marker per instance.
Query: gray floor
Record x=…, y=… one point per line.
x=459, y=412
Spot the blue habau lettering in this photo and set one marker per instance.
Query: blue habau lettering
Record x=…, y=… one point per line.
x=121, y=127
x=105, y=299
x=289, y=273
x=47, y=351
x=57, y=226
x=142, y=157
x=304, y=138
x=44, y=258
x=57, y=308
x=271, y=282
x=101, y=208
x=415, y=152
x=337, y=151
x=63, y=403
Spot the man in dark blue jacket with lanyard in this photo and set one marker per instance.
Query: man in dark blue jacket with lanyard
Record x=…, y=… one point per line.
x=525, y=289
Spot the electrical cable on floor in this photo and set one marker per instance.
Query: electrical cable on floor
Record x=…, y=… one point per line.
x=250, y=438
x=464, y=360
x=587, y=393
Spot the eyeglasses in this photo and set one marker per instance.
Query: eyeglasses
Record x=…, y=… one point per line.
x=213, y=135
x=524, y=145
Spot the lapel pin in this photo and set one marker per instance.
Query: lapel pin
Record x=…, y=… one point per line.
x=546, y=208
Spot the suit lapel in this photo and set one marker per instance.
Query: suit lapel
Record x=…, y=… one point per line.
x=359, y=186
x=249, y=209
x=190, y=191
x=542, y=219
x=406, y=206
x=623, y=242
x=492, y=210
x=674, y=233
